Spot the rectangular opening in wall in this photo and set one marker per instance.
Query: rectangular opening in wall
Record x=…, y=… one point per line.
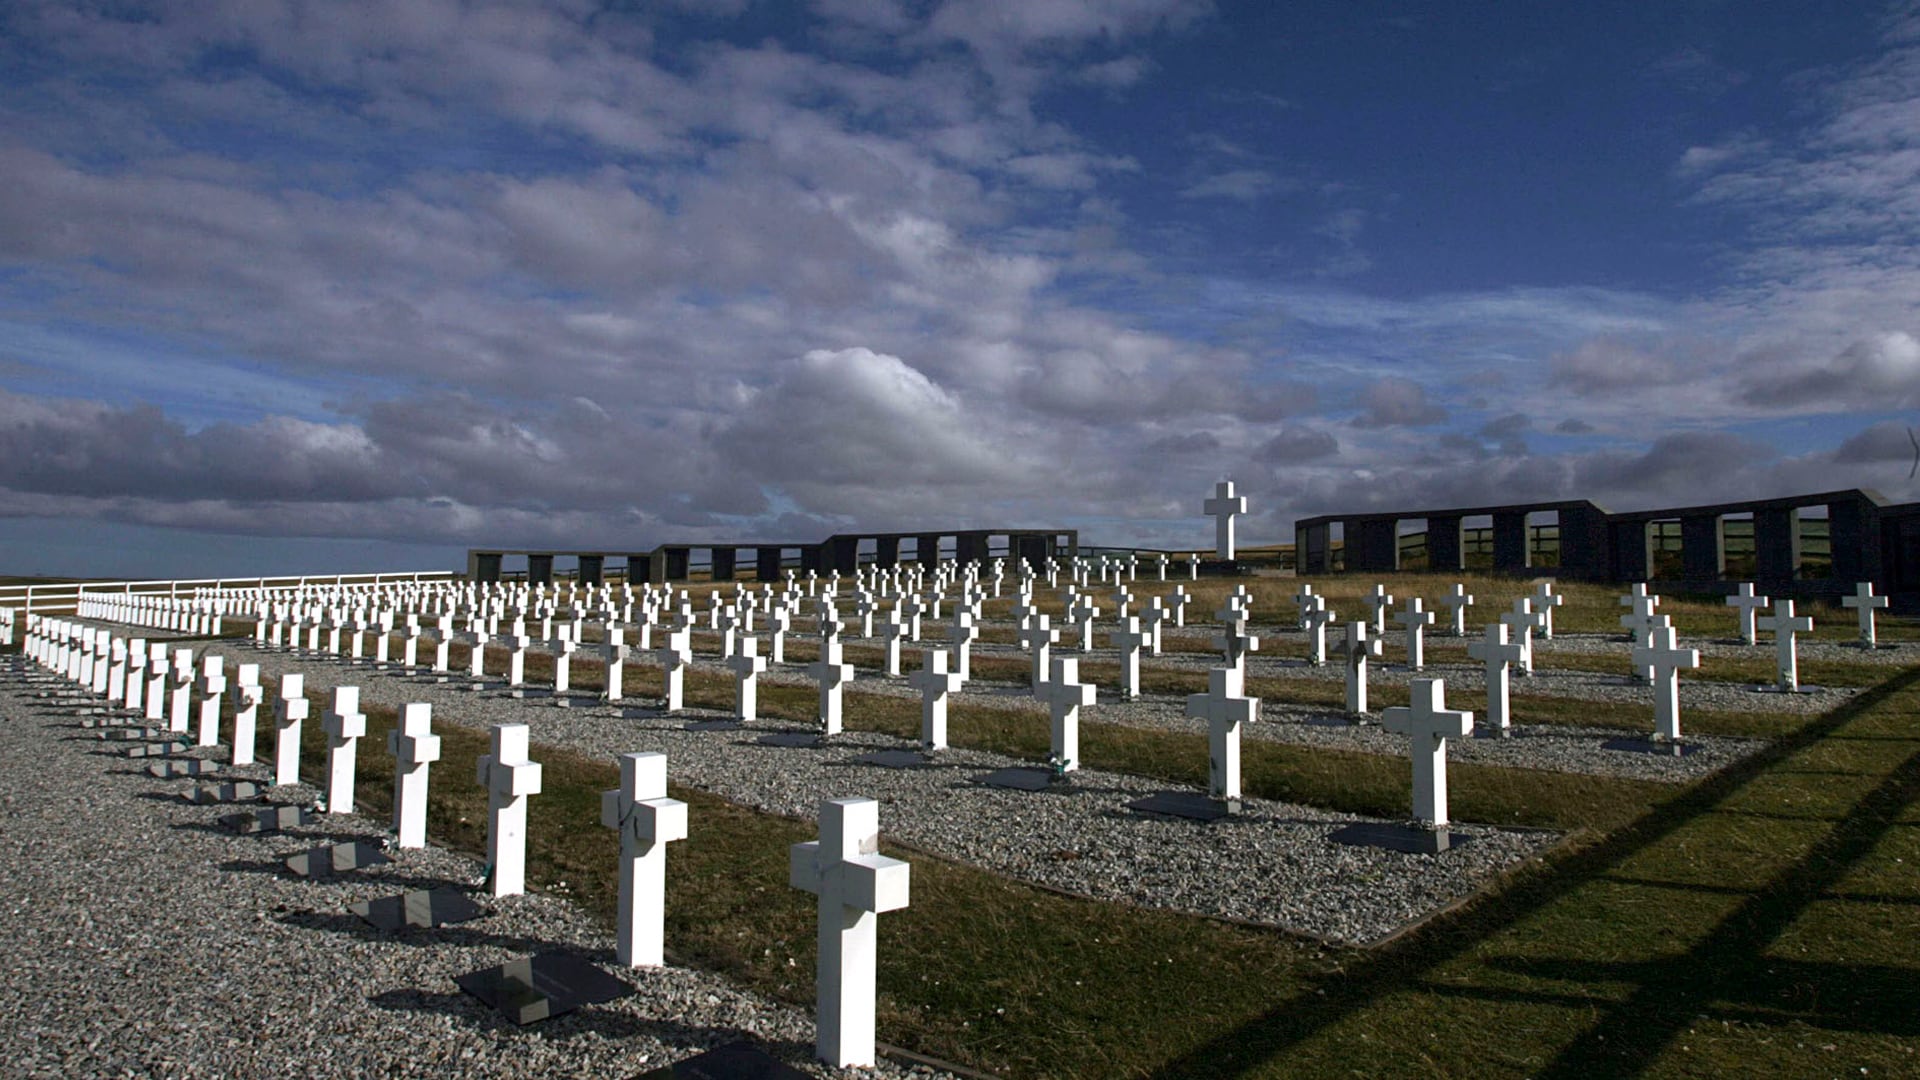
x=1665, y=547
x=1816, y=544
x=950, y=547
x=1476, y=542
x=1337, y=546
x=1412, y=544
x=1543, y=539
x=866, y=551
x=1736, y=541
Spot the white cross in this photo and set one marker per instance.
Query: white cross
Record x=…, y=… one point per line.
x=614, y=654
x=935, y=683
x=246, y=712
x=1428, y=724
x=1177, y=600
x=563, y=647
x=674, y=656
x=213, y=683
x=1122, y=602
x=1416, y=619
x=1151, y=622
x=517, y=661
x=1526, y=620
x=1356, y=650
x=344, y=725
x=509, y=779
x=1129, y=639
x=1379, y=600
x=1224, y=710
x=894, y=629
x=779, y=621
x=181, y=706
x=647, y=822
x=1304, y=601
x=1784, y=624
x=747, y=664
x=1665, y=661
x=1544, y=601
x=1223, y=508
x=1236, y=643
x=831, y=673
x=1864, y=600
x=289, y=711
x=1065, y=694
x=1038, y=638
x=1748, y=606
x=1318, y=616
x=962, y=635
x=855, y=883
x=910, y=609
x=136, y=674
x=1081, y=613
x=1641, y=620
x=414, y=747
x=1499, y=655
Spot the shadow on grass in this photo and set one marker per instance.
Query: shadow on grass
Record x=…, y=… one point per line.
x=1728, y=964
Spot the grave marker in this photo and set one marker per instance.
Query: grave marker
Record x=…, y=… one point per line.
x=1065, y=695
x=1784, y=625
x=1864, y=602
x=935, y=683
x=1223, y=508
x=1499, y=655
x=1416, y=619
x=509, y=779
x=1747, y=606
x=1224, y=710
x=1665, y=661
x=647, y=822
x=289, y=711
x=344, y=725
x=854, y=883
x=415, y=748
x=1428, y=724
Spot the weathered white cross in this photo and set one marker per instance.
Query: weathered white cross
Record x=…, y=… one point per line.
x=647, y=822
x=854, y=883
x=289, y=711
x=1784, y=625
x=1224, y=710
x=1428, y=724
x=747, y=664
x=1747, y=606
x=1357, y=650
x=1223, y=508
x=1665, y=661
x=1065, y=694
x=1416, y=618
x=1037, y=637
x=935, y=683
x=1864, y=602
x=415, y=748
x=831, y=672
x=509, y=779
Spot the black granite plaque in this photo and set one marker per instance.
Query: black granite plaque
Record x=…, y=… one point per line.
x=1018, y=779
x=735, y=1061
x=896, y=759
x=421, y=909
x=714, y=725
x=1186, y=804
x=272, y=819
x=1399, y=838
x=542, y=987
x=1664, y=747
x=336, y=859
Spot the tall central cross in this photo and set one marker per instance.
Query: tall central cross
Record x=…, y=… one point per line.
x=854, y=882
x=1428, y=724
x=1223, y=508
x=1525, y=620
x=1379, y=600
x=1457, y=600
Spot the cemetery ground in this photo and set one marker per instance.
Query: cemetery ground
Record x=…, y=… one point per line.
x=1756, y=921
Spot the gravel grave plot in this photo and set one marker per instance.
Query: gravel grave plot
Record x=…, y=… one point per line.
x=145, y=939
x=1272, y=865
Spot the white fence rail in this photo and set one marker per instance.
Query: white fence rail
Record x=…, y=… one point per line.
x=62, y=597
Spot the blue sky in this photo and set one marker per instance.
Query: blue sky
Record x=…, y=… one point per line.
x=298, y=286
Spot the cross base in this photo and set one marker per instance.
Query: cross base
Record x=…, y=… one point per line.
x=270, y=820
x=714, y=725
x=334, y=859
x=1483, y=731
x=799, y=739
x=1409, y=839
x=1186, y=804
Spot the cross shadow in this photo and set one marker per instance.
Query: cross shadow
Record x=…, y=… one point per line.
x=1630, y=1034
